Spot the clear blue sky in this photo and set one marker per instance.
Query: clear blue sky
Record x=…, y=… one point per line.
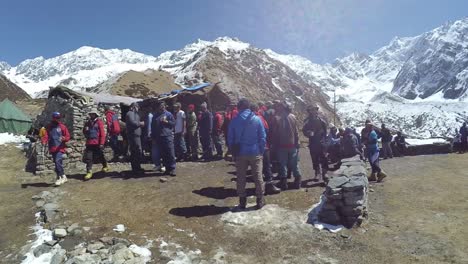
x=320, y=30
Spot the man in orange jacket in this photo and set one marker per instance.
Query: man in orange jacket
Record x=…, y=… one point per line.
x=95, y=140
x=56, y=135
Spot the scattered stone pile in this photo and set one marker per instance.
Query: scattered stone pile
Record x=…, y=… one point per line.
x=346, y=195
x=74, y=110
x=106, y=250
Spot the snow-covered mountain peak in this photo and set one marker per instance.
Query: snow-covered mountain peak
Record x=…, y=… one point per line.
x=4, y=66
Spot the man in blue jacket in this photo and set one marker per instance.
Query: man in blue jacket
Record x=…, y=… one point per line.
x=162, y=137
x=372, y=148
x=247, y=139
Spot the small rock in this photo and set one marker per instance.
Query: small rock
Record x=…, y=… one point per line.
x=93, y=248
x=118, y=240
x=163, y=179
x=41, y=249
x=86, y=200
x=86, y=228
x=122, y=255
x=40, y=203
x=73, y=227
x=77, y=232
x=344, y=235
x=51, y=242
x=78, y=251
x=117, y=247
x=371, y=190
x=59, y=257
x=60, y=233
x=51, y=207
x=89, y=220
x=46, y=195
x=107, y=240
x=35, y=197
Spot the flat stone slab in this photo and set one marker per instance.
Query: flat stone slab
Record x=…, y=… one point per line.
x=336, y=182
x=60, y=233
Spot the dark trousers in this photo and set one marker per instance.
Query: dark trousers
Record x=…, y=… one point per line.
x=218, y=144
x=205, y=140
x=318, y=158
x=114, y=144
x=180, y=147
x=267, y=174
x=193, y=143
x=134, y=141
x=165, y=146
x=94, y=152
x=374, y=161
x=464, y=145
x=58, y=162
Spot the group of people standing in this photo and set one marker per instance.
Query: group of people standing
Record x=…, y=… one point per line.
x=264, y=137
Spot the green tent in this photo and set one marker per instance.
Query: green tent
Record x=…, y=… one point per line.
x=12, y=119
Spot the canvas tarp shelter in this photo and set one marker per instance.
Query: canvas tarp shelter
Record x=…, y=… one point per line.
x=12, y=119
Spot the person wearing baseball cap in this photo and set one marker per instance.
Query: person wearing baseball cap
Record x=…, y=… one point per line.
x=95, y=141
x=56, y=135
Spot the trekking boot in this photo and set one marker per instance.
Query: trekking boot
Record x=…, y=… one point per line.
x=105, y=169
x=297, y=182
x=58, y=182
x=260, y=203
x=324, y=176
x=283, y=184
x=242, y=202
x=88, y=175
x=172, y=173
x=317, y=175
x=373, y=177
x=271, y=189
x=64, y=179
x=380, y=176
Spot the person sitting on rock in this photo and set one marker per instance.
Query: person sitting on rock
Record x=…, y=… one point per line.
x=95, y=140
x=56, y=135
x=350, y=144
x=377, y=173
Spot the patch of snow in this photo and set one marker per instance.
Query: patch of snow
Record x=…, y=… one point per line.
x=143, y=252
x=414, y=141
x=274, y=82
x=42, y=235
x=6, y=138
x=177, y=254
x=313, y=217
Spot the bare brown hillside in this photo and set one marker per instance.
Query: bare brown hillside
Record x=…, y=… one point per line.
x=11, y=91
x=139, y=84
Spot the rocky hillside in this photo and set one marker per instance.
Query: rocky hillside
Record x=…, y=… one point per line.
x=11, y=91
x=138, y=84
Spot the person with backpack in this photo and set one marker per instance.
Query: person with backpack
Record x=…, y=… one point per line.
x=95, y=143
x=247, y=139
x=315, y=129
x=386, y=140
x=56, y=135
x=179, y=132
x=113, y=131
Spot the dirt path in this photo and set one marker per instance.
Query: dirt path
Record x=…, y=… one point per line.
x=416, y=216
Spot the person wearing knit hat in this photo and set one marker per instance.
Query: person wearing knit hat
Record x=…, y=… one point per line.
x=192, y=132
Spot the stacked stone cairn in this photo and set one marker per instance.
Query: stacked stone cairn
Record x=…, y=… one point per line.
x=74, y=113
x=346, y=195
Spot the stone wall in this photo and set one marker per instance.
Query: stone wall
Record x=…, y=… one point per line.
x=346, y=195
x=74, y=114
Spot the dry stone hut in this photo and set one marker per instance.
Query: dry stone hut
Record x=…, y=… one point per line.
x=74, y=107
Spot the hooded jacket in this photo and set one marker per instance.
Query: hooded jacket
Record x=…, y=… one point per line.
x=248, y=131
x=53, y=136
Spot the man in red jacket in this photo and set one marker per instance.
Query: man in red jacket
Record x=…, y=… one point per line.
x=113, y=131
x=95, y=140
x=56, y=135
